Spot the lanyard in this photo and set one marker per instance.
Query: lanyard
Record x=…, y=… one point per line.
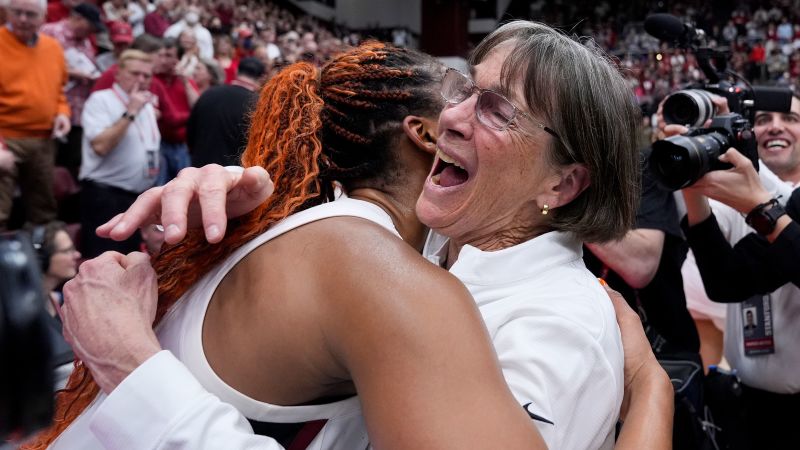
x=135, y=124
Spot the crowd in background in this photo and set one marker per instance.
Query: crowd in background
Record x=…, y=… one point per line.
x=172, y=81
x=762, y=38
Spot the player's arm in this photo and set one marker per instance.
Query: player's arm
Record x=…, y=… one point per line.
x=420, y=356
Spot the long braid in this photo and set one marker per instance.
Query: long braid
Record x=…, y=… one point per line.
x=295, y=114
x=284, y=139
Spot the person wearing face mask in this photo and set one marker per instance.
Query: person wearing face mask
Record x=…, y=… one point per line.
x=191, y=21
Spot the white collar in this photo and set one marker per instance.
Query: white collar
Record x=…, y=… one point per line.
x=525, y=260
x=120, y=93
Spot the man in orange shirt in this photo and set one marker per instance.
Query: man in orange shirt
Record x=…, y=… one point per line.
x=33, y=110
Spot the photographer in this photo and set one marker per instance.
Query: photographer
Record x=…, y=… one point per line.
x=765, y=357
x=757, y=264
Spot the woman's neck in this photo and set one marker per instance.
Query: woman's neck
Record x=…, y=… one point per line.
x=494, y=241
x=401, y=209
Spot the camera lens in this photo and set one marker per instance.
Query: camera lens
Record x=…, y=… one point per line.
x=679, y=161
x=691, y=107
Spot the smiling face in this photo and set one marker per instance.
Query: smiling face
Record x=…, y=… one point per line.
x=778, y=137
x=487, y=185
x=572, y=146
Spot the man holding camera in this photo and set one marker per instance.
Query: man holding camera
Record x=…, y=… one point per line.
x=763, y=353
x=645, y=267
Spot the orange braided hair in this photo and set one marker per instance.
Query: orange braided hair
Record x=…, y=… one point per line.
x=286, y=132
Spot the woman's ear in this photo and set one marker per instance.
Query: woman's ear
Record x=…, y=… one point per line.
x=572, y=180
x=422, y=132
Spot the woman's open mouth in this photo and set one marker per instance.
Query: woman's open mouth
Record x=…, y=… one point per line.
x=448, y=172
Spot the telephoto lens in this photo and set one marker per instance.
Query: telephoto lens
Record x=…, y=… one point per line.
x=679, y=161
x=689, y=107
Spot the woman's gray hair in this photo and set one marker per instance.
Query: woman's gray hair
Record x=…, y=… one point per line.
x=575, y=89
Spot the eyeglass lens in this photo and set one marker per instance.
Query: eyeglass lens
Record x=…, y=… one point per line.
x=493, y=110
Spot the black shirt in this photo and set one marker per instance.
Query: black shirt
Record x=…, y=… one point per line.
x=663, y=301
x=751, y=267
x=217, y=129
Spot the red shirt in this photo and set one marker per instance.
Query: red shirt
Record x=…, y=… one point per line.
x=56, y=11
x=156, y=24
x=174, y=108
x=758, y=54
x=230, y=71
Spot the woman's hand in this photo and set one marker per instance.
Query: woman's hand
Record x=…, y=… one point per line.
x=207, y=196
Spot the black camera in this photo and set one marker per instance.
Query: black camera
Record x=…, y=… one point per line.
x=694, y=107
x=26, y=379
x=679, y=161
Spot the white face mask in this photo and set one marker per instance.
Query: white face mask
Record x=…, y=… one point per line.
x=191, y=18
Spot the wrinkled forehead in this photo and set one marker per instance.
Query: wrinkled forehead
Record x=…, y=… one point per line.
x=492, y=73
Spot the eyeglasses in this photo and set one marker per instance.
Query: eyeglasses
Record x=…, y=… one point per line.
x=67, y=250
x=493, y=109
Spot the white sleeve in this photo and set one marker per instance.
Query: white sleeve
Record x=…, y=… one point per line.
x=96, y=116
x=174, y=30
x=206, y=44
x=135, y=14
x=160, y=405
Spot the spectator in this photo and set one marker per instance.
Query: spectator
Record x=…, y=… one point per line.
x=261, y=53
x=120, y=151
x=59, y=9
x=206, y=74
x=58, y=263
x=217, y=128
x=268, y=38
x=7, y=159
x=73, y=33
x=189, y=53
x=157, y=22
x=33, y=109
x=121, y=35
x=729, y=33
x=191, y=21
x=224, y=11
x=785, y=31
x=146, y=43
x=126, y=11
x=226, y=57
x=175, y=104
